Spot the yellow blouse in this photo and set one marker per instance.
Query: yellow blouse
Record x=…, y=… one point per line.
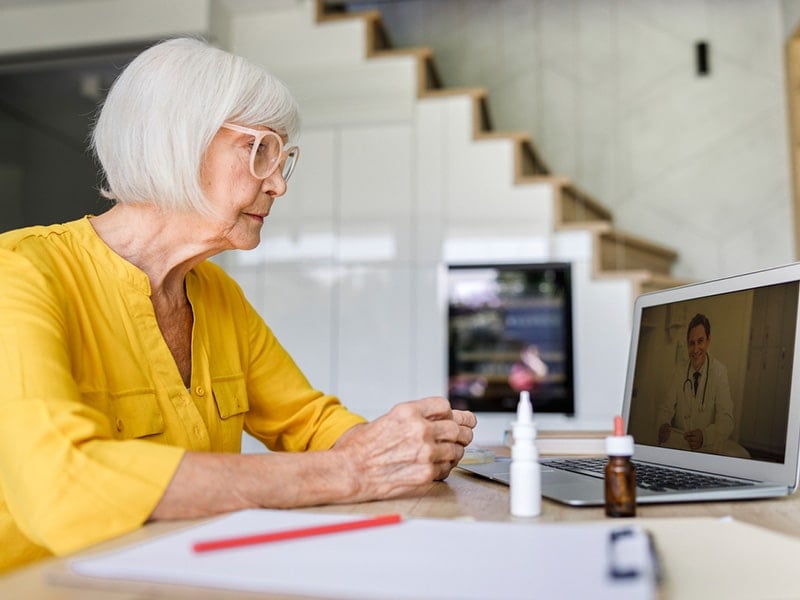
x=94, y=415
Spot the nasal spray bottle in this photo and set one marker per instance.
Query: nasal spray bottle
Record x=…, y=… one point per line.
x=620, y=476
x=526, y=474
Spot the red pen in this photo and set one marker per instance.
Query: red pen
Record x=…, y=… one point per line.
x=293, y=534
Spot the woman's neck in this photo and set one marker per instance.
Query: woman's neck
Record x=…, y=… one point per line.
x=164, y=245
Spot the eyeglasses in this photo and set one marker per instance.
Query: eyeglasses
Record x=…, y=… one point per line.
x=268, y=152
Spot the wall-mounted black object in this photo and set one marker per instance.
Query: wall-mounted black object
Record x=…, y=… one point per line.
x=703, y=58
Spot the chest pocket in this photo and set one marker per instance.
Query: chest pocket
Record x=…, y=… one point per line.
x=230, y=396
x=130, y=415
x=135, y=415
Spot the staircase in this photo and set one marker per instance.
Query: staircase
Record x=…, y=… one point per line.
x=616, y=254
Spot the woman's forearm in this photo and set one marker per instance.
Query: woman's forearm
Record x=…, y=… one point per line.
x=211, y=483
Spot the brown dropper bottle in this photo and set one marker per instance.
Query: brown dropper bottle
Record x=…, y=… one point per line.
x=620, y=475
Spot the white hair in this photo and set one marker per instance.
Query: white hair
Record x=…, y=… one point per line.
x=164, y=109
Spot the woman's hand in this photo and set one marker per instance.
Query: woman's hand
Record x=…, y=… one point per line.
x=414, y=444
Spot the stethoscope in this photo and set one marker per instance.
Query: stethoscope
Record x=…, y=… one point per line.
x=691, y=383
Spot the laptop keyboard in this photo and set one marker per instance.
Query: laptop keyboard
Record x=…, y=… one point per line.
x=651, y=477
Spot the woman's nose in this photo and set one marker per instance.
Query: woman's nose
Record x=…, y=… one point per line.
x=275, y=184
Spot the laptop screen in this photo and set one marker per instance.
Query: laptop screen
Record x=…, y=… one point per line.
x=713, y=373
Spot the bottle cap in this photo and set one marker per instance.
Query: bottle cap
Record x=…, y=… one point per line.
x=619, y=444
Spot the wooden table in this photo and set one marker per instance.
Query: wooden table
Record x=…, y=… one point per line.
x=462, y=496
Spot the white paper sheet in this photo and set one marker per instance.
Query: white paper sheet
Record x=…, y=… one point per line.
x=418, y=558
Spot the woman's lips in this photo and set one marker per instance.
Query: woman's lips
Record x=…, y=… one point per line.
x=259, y=218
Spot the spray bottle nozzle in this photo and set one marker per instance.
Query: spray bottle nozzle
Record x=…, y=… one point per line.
x=524, y=408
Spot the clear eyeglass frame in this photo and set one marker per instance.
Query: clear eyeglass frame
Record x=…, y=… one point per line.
x=287, y=156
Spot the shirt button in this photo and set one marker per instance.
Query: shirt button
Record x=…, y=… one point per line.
x=119, y=424
x=197, y=430
x=199, y=390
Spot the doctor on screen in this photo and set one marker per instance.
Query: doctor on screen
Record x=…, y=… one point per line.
x=697, y=413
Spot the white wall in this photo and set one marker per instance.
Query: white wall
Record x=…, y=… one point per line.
x=608, y=91
x=41, y=25
x=791, y=17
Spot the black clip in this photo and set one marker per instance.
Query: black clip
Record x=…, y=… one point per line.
x=632, y=553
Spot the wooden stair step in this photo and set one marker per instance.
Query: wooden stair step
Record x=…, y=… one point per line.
x=377, y=35
x=620, y=251
x=645, y=281
x=616, y=250
x=578, y=207
x=532, y=161
x=427, y=75
x=656, y=282
x=528, y=159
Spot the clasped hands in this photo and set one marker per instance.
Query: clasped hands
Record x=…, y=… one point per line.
x=694, y=437
x=403, y=451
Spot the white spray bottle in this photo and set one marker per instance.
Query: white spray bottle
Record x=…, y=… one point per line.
x=526, y=473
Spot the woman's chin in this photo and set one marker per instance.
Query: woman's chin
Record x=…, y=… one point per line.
x=249, y=243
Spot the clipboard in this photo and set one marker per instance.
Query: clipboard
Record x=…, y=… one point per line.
x=418, y=558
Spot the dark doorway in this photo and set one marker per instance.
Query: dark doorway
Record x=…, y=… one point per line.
x=47, y=106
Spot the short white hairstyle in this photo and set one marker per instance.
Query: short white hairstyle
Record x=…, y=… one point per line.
x=163, y=111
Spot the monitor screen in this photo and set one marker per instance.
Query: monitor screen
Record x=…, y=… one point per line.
x=510, y=329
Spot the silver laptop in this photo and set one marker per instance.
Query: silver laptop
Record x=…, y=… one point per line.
x=712, y=396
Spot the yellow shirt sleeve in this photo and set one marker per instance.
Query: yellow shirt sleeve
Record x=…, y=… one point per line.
x=65, y=479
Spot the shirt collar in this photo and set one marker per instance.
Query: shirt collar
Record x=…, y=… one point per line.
x=105, y=258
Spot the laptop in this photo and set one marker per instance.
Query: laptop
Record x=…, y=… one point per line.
x=740, y=334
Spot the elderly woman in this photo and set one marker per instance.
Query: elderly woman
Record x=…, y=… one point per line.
x=131, y=365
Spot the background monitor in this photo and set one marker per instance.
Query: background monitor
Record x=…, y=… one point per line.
x=510, y=329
